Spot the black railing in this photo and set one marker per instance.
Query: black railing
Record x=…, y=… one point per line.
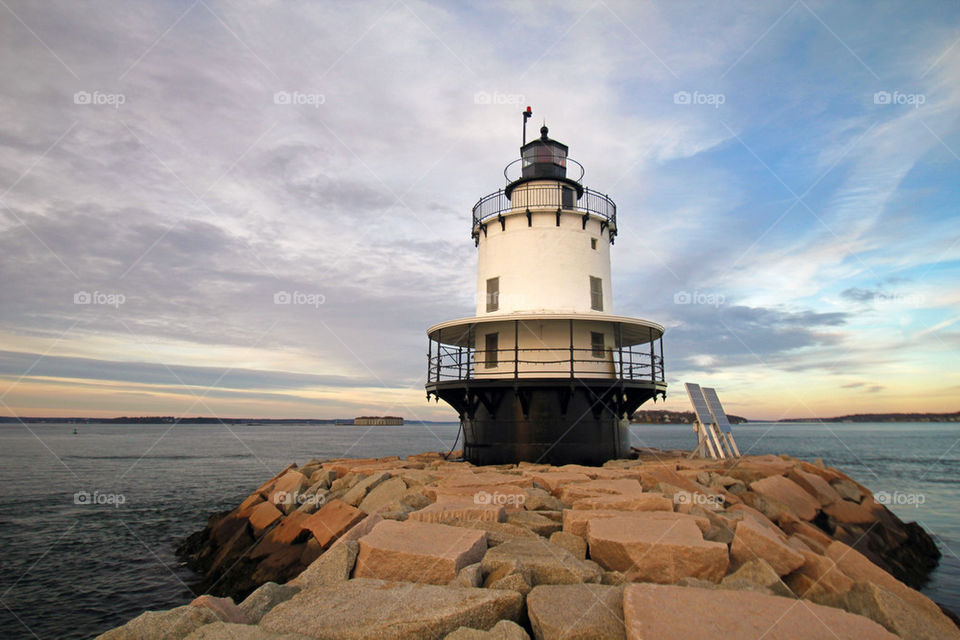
x=551, y=197
x=570, y=167
x=448, y=363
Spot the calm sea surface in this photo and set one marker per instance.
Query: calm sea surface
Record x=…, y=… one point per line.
x=71, y=570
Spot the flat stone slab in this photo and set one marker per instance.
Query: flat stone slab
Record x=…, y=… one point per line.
x=264, y=598
x=687, y=613
x=546, y=562
x=355, y=495
x=641, y=502
x=575, y=520
x=418, y=551
x=230, y=631
x=331, y=521
x=846, y=512
x=656, y=550
x=571, y=492
x=160, y=625
x=576, y=611
x=361, y=609
x=816, y=486
x=856, y=565
x=552, y=481
x=286, y=488
x=503, y=630
x=752, y=540
x=262, y=516
x=510, y=497
x=460, y=511
x=383, y=494
x=788, y=493
x=497, y=532
x=817, y=576
x=486, y=478
x=334, y=566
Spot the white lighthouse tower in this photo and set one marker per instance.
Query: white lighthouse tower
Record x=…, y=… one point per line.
x=545, y=371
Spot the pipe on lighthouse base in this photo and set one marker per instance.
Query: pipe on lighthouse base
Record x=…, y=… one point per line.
x=554, y=422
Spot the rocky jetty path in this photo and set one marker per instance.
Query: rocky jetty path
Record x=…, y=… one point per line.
x=658, y=547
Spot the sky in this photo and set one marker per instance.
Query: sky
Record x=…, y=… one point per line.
x=785, y=175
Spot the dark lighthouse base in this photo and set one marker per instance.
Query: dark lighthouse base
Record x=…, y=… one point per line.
x=550, y=421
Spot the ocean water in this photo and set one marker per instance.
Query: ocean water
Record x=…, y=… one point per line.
x=89, y=522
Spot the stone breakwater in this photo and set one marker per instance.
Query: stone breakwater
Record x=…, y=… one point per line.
x=655, y=547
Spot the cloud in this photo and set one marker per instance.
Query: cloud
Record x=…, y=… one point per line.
x=200, y=197
x=857, y=294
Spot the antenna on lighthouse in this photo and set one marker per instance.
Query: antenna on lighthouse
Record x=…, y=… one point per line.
x=526, y=116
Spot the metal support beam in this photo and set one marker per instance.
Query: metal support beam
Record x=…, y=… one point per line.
x=429, y=362
x=516, y=351
x=439, y=347
x=662, y=364
x=653, y=367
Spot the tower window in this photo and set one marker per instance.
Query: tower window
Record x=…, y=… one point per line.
x=493, y=294
x=596, y=344
x=491, y=351
x=593, y=243
x=596, y=294
x=569, y=198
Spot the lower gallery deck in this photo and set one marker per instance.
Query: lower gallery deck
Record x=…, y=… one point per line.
x=546, y=388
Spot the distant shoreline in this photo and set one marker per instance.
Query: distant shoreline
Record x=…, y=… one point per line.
x=640, y=417
x=667, y=417
x=193, y=420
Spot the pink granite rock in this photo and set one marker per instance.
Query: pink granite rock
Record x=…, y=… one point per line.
x=487, y=478
x=815, y=485
x=262, y=516
x=817, y=576
x=461, y=511
x=788, y=493
x=286, y=488
x=358, y=530
x=688, y=613
x=661, y=474
x=575, y=521
x=224, y=608
x=575, y=491
x=331, y=521
x=846, y=512
x=553, y=481
x=656, y=550
x=856, y=565
x=752, y=540
x=290, y=530
x=418, y=551
x=642, y=502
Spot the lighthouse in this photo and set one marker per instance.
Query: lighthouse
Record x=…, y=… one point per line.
x=545, y=371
